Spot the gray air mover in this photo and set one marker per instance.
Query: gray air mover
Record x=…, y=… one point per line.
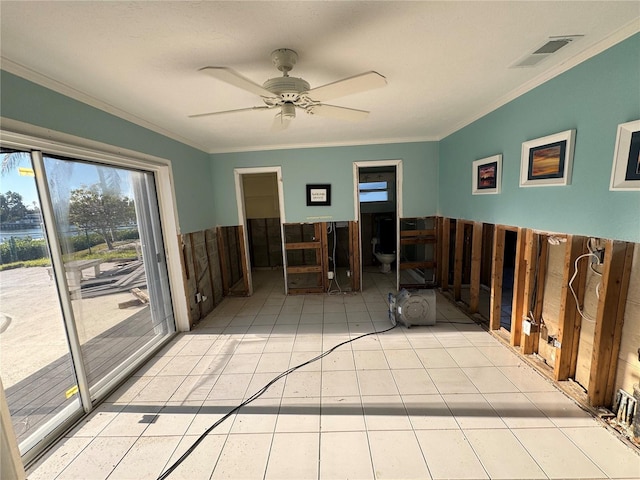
x=418, y=308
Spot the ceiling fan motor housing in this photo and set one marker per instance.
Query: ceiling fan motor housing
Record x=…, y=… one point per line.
x=289, y=88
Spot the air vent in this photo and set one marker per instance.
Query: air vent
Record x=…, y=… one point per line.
x=550, y=47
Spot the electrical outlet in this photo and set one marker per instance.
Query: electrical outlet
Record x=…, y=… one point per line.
x=348, y=273
x=330, y=275
x=526, y=326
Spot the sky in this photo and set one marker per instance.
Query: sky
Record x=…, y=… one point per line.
x=82, y=174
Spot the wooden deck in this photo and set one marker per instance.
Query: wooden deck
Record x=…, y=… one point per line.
x=33, y=400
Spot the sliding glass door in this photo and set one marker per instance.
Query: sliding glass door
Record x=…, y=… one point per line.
x=108, y=301
x=36, y=365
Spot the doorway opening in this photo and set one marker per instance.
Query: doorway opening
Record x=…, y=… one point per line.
x=261, y=214
x=378, y=191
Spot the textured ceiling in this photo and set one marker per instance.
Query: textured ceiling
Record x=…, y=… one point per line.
x=446, y=63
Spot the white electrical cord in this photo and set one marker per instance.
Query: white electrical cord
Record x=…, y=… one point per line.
x=573, y=277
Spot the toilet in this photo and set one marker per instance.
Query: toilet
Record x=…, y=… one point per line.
x=385, y=259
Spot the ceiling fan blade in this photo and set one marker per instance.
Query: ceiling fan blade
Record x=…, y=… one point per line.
x=341, y=113
x=280, y=123
x=348, y=86
x=232, y=77
x=262, y=107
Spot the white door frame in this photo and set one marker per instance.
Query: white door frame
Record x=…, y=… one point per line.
x=242, y=215
x=356, y=202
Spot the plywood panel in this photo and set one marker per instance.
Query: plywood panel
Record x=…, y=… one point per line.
x=214, y=264
x=203, y=278
x=628, y=372
x=551, y=304
x=189, y=276
x=587, y=328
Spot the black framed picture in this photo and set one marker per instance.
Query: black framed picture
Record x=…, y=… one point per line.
x=318, y=195
x=487, y=174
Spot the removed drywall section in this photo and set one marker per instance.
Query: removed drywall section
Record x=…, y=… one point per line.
x=265, y=242
x=233, y=261
x=628, y=373
x=588, y=324
x=201, y=273
x=551, y=306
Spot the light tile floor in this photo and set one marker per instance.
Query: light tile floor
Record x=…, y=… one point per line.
x=447, y=401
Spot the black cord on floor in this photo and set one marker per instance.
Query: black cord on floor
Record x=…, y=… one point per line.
x=253, y=397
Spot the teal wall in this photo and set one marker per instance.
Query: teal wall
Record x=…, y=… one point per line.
x=27, y=102
x=332, y=165
x=593, y=98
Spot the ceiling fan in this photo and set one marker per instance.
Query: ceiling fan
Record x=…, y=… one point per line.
x=287, y=94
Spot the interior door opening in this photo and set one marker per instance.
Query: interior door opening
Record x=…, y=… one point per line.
x=261, y=214
x=377, y=193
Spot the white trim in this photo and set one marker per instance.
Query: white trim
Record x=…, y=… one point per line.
x=10, y=460
x=28, y=74
x=20, y=135
x=238, y=172
x=353, y=143
x=399, y=209
x=621, y=157
x=63, y=89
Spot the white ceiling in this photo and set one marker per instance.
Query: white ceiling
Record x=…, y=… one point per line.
x=446, y=63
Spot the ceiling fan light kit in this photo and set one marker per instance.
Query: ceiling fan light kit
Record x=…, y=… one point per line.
x=288, y=93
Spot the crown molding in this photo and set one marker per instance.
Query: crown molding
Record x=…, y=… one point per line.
x=616, y=37
x=355, y=143
x=63, y=89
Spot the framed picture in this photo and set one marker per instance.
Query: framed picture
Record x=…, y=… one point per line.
x=318, y=195
x=547, y=161
x=487, y=175
x=625, y=173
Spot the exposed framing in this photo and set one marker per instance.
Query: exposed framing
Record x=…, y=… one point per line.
x=609, y=320
x=532, y=250
x=320, y=268
x=443, y=247
x=476, y=264
x=535, y=257
x=569, y=320
x=518, y=289
x=354, y=255
x=497, y=268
